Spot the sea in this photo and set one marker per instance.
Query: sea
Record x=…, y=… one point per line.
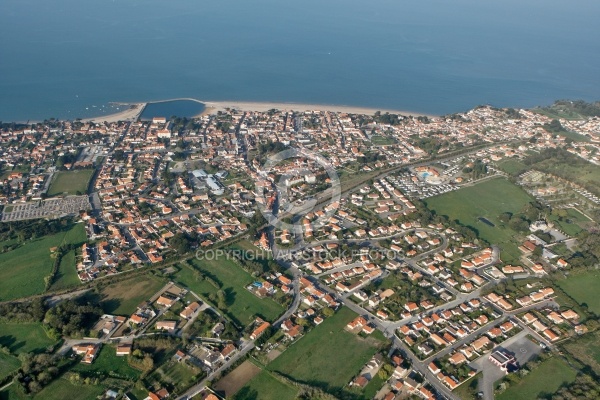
x=74, y=58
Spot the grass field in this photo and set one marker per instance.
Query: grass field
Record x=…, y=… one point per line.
x=108, y=363
x=70, y=182
x=571, y=225
x=8, y=364
x=67, y=274
x=373, y=387
x=512, y=166
x=487, y=199
x=24, y=337
x=242, y=305
x=122, y=298
x=247, y=246
x=265, y=386
x=468, y=390
x=378, y=140
x=541, y=382
x=564, y=113
x=178, y=374
x=22, y=270
x=12, y=393
x=587, y=350
x=583, y=288
x=328, y=356
x=62, y=389
x=583, y=173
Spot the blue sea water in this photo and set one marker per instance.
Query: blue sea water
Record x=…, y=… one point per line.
x=71, y=58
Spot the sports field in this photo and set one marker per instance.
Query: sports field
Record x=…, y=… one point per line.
x=512, y=166
x=541, y=382
x=70, y=182
x=328, y=356
x=24, y=337
x=22, y=270
x=123, y=297
x=583, y=287
x=264, y=386
x=487, y=199
x=242, y=305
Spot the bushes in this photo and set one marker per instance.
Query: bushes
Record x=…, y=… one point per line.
x=30, y=311
x=72, y=317
x=37, y=371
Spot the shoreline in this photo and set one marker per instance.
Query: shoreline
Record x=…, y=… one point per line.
x=212, y=107
x=131, y=114
x=258, y=106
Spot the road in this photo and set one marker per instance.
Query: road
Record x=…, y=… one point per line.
x=54, y=300
x=387, y=327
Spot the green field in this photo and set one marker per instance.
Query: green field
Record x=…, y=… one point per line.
x=488, y=199
x=62, y=389
x=586, y=349
x=512, y=166
x=242, y=305
x=328, y=356
x=70, y=182
x=572, y=224
x=67, y=273
x=24, y=337
x=541, y=382
x=8, y=364
x=22, y=270
x=373, y=387
x=583, y=288
x=573, y=169
x=122, y=298
x=108, y=363
x=265, y=386
x=468, y=389
x=378, y=140
x=178, y=374
x=247, y=246
x=12, y=393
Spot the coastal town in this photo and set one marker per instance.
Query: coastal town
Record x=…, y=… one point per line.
x=313, y=254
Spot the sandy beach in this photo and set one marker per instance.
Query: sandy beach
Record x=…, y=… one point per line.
x=214, y=106
x=131, y=114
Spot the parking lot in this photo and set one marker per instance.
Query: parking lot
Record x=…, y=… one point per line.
x=520, y=346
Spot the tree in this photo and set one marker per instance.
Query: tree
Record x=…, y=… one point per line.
x=327, y=312
x=221, y=300
x=181, y=243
